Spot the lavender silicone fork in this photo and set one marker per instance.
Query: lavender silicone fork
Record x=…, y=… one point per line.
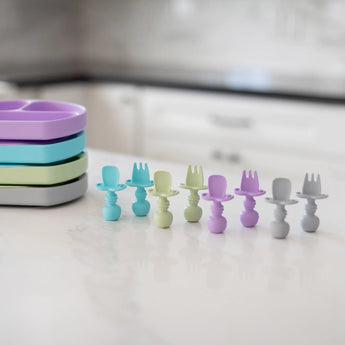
x=217, y=193
x=249, y=188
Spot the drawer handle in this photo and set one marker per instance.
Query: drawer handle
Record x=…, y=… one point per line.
x=230, y=122
x=231, y=157
x=234, y=158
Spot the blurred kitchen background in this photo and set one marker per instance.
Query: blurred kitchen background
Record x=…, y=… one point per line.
x=226, y=83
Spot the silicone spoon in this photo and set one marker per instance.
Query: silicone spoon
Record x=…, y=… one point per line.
x=217, y=193
x=162, y=188
x=110, y=176
x=281, y=190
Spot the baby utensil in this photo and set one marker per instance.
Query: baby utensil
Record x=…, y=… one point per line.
x=311, y=191
x=40, y=119
x=110, y=176
x=249, y=188
x=140, y=180
x=162, y=188
x=281, y=190
x=194, y=182
x=217, y=193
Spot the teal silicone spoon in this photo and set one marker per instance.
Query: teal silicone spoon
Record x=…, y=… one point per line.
x=110, y=176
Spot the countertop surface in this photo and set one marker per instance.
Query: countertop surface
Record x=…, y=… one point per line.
x=323, y=88
x=70, y=277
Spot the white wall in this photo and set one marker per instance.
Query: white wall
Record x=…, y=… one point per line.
x=38, y=33
x=286, y=37
x=295, y=37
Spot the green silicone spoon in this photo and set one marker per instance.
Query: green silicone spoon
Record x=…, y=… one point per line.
x=162, y=188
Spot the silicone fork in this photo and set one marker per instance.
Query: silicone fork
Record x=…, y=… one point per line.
x=194, y=182
x=217, y=193
x=281, y=190
x=311, y=191
x=162, y=188
x=140, y=180
x=249, y=188
x=110, y=175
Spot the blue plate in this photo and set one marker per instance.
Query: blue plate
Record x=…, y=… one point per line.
x=41, y=152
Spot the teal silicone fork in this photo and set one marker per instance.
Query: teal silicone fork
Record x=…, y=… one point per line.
x=140, y=180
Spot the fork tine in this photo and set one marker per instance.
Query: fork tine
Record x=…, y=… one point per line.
x=318, y=184
x=250, y=174
x=305, y=184
x=256, y=180
x=243, y=180
x=198, y=177
x=146, y=173
x=201, y=175
x=189, y=174
x=135, y=168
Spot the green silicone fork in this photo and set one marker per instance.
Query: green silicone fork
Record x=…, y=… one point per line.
x=194, y=182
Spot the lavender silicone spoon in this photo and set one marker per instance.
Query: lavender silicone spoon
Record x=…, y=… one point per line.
x=217, y=193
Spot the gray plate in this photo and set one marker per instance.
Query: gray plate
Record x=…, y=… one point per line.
x=43, y=196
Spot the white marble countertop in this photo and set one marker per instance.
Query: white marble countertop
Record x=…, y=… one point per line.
x=69, y=277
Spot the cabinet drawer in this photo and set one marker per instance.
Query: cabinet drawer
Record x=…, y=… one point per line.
x=233, y=157
x=302, y=130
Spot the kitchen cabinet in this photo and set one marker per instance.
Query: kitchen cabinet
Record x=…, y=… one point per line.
x=226, y=131
x=65, y=92
x=113, y=117
x=235, y=132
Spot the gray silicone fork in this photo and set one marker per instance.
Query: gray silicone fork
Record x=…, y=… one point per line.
x=311, y=191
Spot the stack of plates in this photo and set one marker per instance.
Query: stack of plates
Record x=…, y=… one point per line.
x=42, y=158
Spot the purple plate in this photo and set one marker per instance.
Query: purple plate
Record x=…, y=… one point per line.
x=40, y=120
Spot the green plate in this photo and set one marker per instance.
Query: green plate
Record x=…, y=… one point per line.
x=13, y=174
